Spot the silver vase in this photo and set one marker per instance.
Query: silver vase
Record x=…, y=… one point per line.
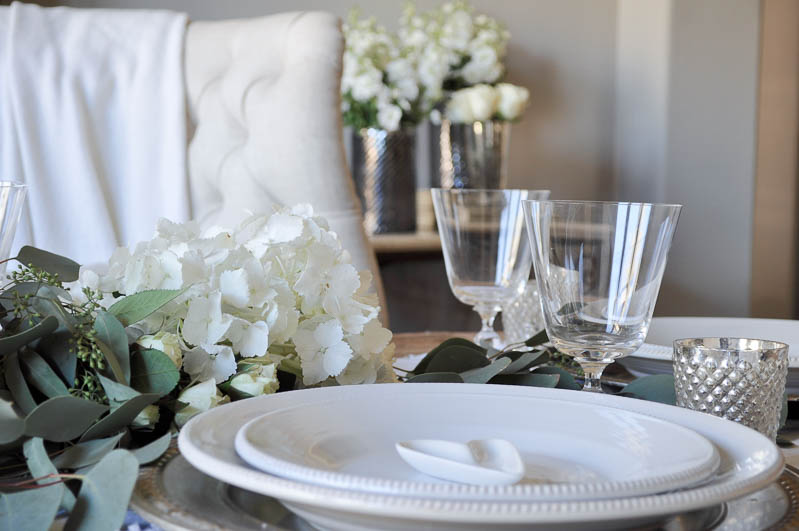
x=384, y=170
x=471, y=155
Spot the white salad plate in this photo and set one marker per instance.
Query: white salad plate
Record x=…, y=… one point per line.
x=654, y=357
x=350, y=443
x=749, y=461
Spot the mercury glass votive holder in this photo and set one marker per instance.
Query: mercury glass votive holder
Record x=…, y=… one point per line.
x=742, y=380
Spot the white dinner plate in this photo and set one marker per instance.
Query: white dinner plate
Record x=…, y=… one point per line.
x=349, y=443
x=749, y=462
x=654, y=357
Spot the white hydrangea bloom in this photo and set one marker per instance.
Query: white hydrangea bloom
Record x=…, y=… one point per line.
x=277, y=286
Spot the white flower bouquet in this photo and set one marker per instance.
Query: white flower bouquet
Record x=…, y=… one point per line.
x=277, y=293
x=380, y=84
x=449, y=59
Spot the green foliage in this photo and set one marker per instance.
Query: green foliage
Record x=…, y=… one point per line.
x=12, y=425
x=139, y=306
x=39, y=373
x=656, y=388
x=150, y=452
x=62, y=418
x=153, y=372
x=40, y=466
x=64, y=269
x=87, y=453
x=110, y=337
x=13, y=343
x=17, y=385
x=104, y=494
x=29, y=510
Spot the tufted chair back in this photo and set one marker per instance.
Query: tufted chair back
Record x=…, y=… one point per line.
x=263, y=96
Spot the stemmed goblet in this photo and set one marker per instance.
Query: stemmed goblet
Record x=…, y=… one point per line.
x=599, y=267
x=485, y=249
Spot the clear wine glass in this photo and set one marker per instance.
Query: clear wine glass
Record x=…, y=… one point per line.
x=599, y=267
x=485, y=249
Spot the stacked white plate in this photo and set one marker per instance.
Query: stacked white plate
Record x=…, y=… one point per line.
x=591, y=461
x=655, y=356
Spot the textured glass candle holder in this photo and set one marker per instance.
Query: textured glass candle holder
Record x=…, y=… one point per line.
x=742, y=380
x=523, y=318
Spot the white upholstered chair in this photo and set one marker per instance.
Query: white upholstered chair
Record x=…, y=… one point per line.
x=263, y=95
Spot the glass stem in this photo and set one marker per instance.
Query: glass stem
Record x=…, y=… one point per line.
x=593, y=372
x=487, y=336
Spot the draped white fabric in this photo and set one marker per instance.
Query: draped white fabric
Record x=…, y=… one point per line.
x=92, y=118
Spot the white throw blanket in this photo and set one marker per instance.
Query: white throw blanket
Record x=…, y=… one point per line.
x=93, y=120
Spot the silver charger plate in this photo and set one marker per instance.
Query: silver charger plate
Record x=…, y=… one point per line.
x=175, y=496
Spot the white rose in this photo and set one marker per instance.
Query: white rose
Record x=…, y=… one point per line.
x=472, y=104
x=512, y=100
x=200, y=397
x=146, y=417
x=257, y=382
x=167, y=343
x=389, y=116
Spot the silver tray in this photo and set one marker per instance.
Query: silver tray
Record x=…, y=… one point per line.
x=175, y=496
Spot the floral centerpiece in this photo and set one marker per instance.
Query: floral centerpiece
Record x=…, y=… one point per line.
x=101, y=365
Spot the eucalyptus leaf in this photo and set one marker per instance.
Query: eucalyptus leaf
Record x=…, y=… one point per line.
x=117, y=393
x=29, y=510
x=105, y=493
x=62, y=418
x=58, y=349
x=17, y=385
x=532, y=379
x=134, y=308
x=456, y=358
x=120, y=417
x=455, y=341
x=111, y=335
x=40, y=375
x=12, y=426
x=13, y=343
x=150, y=452
x=566, y=380
x=436, y=377
x=656, y=388
x=39, y=465
x=153, y=372
x=539, y=339
x=47, y=302
x=525, y=360
x=87, y=453
x=484, y=374
x=66, y=269
x=21, y=289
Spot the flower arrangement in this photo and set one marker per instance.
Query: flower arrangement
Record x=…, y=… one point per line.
x=101, y=365
x=448, y=58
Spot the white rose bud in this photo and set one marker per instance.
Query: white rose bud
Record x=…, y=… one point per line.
x=146, y=417
x=512, y=100
x=257, y=382
x=474, y=104
x=167, y=343
x=200, y=397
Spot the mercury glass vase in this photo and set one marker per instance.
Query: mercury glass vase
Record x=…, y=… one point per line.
x=471, y=155
x=384, y=169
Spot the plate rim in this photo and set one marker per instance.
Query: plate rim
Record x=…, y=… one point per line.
x=239, y=474
x=250, y=453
